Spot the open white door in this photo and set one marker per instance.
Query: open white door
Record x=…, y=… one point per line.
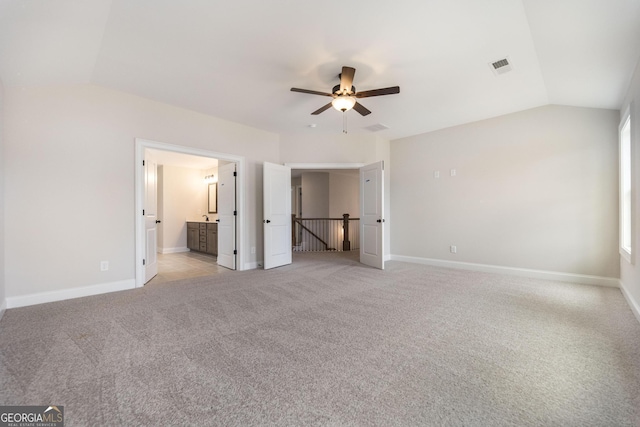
x=371, y=215
x=150, y=213
x=277, y=215
x=227, y=216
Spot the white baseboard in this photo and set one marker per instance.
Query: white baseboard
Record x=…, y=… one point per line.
x=252, y=265
x=3, y=308
x=173, y=250
x=523, y=272
x=64, y=294
x=635, y=307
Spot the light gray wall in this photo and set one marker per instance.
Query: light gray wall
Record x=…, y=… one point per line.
x=2, y=234
x=630, y=272
x=325, y=147
x=344, y=194
x=315, y=195
x=536, y=189
x=329, y=194
x=72, y=148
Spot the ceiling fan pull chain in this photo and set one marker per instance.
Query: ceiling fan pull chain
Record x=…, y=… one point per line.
x=344, y=122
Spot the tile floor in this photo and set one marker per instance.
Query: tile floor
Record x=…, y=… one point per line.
x=184, y=265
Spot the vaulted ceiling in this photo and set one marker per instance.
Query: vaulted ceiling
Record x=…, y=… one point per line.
x=238, y=60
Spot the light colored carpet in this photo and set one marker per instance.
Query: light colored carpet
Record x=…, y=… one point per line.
x=326, y=341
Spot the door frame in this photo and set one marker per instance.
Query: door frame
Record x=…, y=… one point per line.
x=140, y=146
x=320, y=166
x=387, y=201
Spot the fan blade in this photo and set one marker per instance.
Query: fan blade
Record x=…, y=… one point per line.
x=378, y=92
x=361, y=109
x=312, y=92
x=346, y=78
x=321, y=109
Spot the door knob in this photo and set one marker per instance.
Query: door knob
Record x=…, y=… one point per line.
x=267, y=221
x=380, y=220
x=217, y=220
x=158, y=221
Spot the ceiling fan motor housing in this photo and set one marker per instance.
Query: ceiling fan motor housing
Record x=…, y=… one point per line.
x=336, y=89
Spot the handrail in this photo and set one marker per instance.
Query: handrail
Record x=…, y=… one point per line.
x=324, y=219
x=299, y=221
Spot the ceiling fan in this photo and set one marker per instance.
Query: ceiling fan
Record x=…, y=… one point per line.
x=344, y=95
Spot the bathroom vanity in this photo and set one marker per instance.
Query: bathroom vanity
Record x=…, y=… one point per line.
x=203, y=237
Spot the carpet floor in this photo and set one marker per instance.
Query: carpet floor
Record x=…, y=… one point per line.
x=327, y=341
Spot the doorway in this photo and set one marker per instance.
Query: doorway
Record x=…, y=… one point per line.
x=325, y=209
x=144, y=228
x=182, y=187
x=371, y=211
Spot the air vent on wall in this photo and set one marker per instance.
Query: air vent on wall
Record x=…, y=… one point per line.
x=501, y=66
x=377, y=128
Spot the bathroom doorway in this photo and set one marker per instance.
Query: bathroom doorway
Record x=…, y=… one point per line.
x=183, y=184
x=180, y=178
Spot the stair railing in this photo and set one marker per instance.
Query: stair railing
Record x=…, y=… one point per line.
x=324, y=234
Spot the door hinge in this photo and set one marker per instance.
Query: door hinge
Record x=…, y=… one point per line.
x=235, y=252
x=235, y=213
x=143, y=212
x=235, y=173
x=144, y=262
x=143, y=163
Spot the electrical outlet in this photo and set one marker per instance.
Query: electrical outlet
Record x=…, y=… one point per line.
x=104, y=265
x=253, y=249
x=436, y=174
x=453, y=172
x=453, y=249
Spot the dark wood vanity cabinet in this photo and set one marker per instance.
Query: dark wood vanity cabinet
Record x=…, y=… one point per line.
x=212, y=239
x=192, y=236
x=203, y=237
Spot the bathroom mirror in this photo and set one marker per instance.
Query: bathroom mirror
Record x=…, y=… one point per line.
x=213, y=197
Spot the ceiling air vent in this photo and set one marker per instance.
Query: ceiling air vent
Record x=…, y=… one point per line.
x=377, y=128
x=501, y=66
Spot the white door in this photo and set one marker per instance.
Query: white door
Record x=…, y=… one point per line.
x=150, y=213
x=277, y=215
x=372, y=215
x=227, y=216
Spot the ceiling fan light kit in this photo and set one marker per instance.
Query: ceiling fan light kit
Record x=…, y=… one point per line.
x=343, y=103
x=345, y=95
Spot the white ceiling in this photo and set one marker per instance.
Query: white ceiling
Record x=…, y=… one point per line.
x=238, y=60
